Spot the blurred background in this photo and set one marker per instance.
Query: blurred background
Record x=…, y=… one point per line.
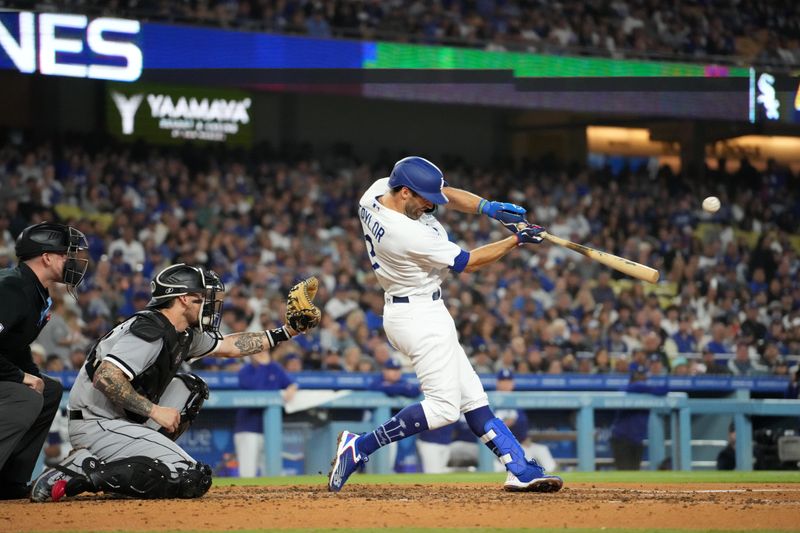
x=239, y=134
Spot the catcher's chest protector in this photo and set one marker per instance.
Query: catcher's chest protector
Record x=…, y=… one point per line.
x=151, y=383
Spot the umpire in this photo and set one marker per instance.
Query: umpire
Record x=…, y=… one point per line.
x=48, y=253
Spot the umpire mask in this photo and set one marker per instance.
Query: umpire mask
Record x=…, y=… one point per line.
x=182, y=279
x=49, y=237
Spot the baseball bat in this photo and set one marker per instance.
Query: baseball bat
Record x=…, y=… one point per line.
x=626, y=266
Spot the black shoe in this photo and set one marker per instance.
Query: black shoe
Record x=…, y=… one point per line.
x=14, y=491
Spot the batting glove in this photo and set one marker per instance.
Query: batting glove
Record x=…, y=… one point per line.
x=530, y=234
x=508, y=214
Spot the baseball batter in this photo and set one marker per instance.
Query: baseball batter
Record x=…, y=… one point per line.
x=129, y=405
x=411, y=255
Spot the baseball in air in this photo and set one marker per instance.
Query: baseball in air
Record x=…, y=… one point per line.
x=711, y=204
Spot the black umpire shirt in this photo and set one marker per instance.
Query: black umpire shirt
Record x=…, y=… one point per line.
x=24, y=311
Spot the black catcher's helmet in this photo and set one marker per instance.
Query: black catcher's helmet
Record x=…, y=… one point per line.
x=180, y=279
x=49, y=237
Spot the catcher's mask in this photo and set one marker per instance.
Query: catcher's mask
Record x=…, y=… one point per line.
x=181, y=279
x=49, y=237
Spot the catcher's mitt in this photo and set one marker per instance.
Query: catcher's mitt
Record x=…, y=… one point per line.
x=301, y=313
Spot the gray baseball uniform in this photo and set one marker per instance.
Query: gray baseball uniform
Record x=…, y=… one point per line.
x=104, y=431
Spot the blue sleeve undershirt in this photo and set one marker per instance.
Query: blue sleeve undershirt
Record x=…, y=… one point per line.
x=460, y=262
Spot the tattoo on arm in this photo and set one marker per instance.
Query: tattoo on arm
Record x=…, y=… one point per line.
x=112, y=382
x=250, y=343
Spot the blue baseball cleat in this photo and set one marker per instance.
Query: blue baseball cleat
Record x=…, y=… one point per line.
x=534, y=479
x=346, y=462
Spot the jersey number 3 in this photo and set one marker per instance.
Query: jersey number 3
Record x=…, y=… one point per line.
x=371, y=248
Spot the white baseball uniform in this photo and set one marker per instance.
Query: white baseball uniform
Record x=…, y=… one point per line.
x=411, y=258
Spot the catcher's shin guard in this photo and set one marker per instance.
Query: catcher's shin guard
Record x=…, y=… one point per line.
x=186, y=392
x=195, y=481
x=505, y=446
x=143, y=477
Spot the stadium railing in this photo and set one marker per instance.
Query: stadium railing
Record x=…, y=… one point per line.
x=675, y=409
x=762, y=384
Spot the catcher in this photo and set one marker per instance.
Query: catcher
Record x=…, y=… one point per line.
x=129, y=404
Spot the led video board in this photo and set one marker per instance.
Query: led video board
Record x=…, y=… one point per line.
x=128, y=50
x=169, y=114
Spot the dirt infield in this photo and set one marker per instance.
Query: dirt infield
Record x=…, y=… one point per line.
x=579, y=505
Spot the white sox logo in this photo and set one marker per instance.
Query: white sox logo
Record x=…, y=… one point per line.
x=767, y=96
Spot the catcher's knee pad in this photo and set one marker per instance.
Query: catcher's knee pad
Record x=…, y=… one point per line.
x=195, y=481
x=505, y=446
x=143, y=477
x=186, y=393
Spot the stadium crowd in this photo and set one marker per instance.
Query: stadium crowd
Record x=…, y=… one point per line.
x=728, y=300
x=760, y=32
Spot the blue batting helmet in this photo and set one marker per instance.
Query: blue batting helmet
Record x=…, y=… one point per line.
x=421, y=176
